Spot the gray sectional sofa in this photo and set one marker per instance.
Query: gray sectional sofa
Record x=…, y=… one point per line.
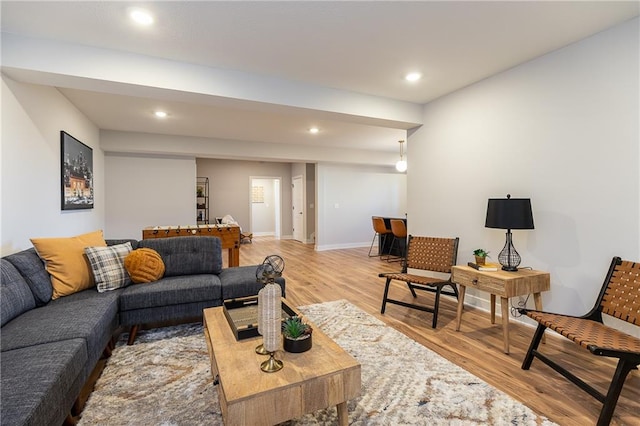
x=50, y=347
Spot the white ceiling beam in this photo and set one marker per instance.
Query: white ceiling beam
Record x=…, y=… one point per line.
x=76, y=66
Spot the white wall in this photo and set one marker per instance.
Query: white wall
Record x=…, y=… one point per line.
x=347, y=197
x=562, y=130
x=310, y=202
x=147, y=191
x=230, y=182
x=263, y=215
x=32, y=118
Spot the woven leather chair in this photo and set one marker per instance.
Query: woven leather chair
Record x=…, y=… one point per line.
x=620, y=298
x=428, y=254
x=381, y=231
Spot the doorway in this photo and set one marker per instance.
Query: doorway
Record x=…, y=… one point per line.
x=265, y=212
x=297, y=198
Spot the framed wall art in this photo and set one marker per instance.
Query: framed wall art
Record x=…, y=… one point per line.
x=76, y=172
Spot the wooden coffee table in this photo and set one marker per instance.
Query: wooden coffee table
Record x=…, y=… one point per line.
x=324, y=376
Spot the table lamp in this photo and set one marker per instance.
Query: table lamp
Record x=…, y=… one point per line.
x=509, y=213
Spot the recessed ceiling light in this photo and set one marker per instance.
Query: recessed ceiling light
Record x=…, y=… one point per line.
x=314, y=130
x=160, y=114
x=141, y=16
x=413, y=76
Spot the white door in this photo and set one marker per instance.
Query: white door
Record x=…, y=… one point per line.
x=297, y=198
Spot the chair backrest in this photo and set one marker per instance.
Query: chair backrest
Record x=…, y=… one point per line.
x=620, y=294
x=398, y=228
x=431, y=253
x=378, y=225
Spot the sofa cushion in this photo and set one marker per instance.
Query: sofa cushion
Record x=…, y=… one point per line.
x=144, y=265
x=171, y=291
x=41, y=382
x=114, y=242
x=107, y=266
x=241, y=282
x=31, y=267
x=188, y=255
x=167, y=314
x=15, y=294
x=66, y=262
x=88, y=314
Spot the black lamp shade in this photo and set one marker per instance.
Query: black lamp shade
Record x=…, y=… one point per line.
x=509, y=213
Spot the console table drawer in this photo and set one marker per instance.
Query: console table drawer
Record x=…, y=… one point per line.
x=502, y=283
x=481, y=282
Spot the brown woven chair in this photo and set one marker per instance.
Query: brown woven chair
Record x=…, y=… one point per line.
x=620, y=298
x=428, y=254
x=381, y=231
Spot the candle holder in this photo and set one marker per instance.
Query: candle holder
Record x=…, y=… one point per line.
x=269, y=312
x=272, y=364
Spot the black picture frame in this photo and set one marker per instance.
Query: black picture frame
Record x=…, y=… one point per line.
x=76, y=173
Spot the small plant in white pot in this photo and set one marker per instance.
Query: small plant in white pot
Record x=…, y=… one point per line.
x=297, y=335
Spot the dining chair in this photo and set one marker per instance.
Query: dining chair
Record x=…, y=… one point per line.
x=382, y=232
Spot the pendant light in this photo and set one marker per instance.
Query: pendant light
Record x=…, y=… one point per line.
x=401, y=165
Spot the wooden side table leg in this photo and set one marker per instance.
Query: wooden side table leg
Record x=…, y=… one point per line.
x=343, y=414
x=537, y=299
x=493, y=309
x=461, y=291
x=504, y=305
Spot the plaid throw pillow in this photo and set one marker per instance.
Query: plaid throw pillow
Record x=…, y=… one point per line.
x=107, y=265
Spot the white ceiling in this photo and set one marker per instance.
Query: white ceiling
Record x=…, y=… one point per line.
x=362, y=47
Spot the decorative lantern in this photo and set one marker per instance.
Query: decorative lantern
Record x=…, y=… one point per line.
x=270, y=311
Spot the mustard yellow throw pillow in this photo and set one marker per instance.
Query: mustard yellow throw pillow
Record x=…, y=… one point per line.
x=66, y=262
x=144, y=265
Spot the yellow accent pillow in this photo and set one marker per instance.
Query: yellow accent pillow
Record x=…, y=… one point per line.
x=66, y=262
x=144, y=265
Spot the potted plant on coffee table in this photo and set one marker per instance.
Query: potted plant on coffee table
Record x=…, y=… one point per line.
x=296, y=334
x=481, y=256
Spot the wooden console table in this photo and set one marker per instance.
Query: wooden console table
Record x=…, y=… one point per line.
x=229, y=236
x=500, y=283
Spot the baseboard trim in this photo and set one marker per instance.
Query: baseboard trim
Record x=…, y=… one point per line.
x=341, y=246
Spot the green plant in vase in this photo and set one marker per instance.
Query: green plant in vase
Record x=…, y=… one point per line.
x=481, y=256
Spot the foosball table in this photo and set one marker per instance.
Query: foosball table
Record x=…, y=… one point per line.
x=229, y=236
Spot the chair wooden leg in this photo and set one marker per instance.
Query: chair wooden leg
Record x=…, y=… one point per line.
x=623, y=368
x=132, y=334
x=384, y=297
x=537, y=336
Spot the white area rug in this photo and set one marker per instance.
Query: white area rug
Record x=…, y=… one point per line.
x=165, y=379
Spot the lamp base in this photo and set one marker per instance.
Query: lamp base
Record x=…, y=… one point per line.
x=509, y=257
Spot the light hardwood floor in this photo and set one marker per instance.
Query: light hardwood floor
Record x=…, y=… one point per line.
x=315, y=277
